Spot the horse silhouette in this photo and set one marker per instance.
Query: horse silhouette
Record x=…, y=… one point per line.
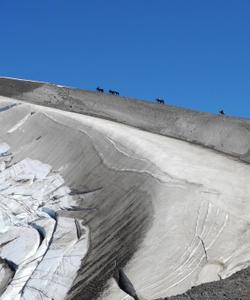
x=100, y=89
x=158, y=100
x=112, y=92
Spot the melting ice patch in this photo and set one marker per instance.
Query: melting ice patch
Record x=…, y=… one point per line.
x=4, y=149
x=40, y=252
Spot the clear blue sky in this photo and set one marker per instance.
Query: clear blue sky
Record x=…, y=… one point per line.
x=193, y=53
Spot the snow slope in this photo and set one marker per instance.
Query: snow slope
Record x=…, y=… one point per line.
x=172, y=213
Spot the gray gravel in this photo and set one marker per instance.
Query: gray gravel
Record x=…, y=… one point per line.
x=236, y=287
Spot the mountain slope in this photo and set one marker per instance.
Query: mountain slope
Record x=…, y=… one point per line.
x=173, y=213
x=229, y=135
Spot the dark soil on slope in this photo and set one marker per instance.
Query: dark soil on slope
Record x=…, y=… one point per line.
x=236, y=287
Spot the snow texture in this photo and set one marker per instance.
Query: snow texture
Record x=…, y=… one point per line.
x=200, y=205
x=45, y=249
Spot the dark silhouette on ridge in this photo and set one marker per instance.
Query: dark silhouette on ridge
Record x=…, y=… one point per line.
x=221, y=112
x=161, y=101
x=112, y=92
x=100, y=89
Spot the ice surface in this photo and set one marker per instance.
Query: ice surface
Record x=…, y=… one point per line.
x=200, y=207
x=19, y=124
x=4, y=149
x=30, y=238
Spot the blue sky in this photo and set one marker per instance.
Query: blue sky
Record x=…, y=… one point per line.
x=193, y=53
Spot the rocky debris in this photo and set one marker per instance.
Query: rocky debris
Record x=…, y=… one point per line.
x=236, y=287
